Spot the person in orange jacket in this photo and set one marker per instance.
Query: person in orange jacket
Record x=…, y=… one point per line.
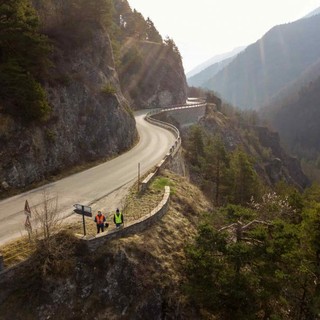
x=99, y=220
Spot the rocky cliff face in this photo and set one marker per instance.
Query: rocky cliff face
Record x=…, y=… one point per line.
x=91, y=98
x=158, y=81
x=88, y=122
x=273, y=164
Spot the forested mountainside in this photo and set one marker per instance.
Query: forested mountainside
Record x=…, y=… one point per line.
x=68, y=83
x=296, y=118
x=265, y=67
x=228, y=136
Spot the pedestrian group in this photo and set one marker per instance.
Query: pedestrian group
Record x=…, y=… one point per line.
x=100, y=220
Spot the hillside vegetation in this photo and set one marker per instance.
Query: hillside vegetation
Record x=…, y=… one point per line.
x=24, y=61
x=257, y=260
x=300, y=137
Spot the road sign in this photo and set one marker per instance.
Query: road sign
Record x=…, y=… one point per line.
x=27, y=210
x=84, y=210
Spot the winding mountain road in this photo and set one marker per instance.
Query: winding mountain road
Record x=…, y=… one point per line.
x=95, y=183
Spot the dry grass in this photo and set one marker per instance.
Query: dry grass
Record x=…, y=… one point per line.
x=166, y=240
x=16, y=251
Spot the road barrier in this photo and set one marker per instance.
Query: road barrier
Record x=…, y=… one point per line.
x=174, y=149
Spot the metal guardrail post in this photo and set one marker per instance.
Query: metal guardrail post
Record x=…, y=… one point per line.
x=1, y=263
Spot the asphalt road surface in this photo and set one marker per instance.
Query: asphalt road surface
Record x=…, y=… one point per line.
x=90, y=185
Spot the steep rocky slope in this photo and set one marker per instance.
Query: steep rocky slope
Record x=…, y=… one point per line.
x=138, y=277
x=86, y=123
x=271, y=161
x=158, y=78
x=90, y=118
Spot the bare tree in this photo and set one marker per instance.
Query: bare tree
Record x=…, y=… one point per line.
x=54, y=246
x=46, y=216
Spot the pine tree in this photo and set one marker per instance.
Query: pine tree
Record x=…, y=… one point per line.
x=23, y=61
x=195, y=146
x=245, y=181
x=152, y=32
x=217, y=163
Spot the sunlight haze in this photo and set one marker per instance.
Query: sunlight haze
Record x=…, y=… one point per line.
x=204, y=28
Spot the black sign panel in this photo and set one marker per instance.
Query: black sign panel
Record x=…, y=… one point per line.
x=84, y=210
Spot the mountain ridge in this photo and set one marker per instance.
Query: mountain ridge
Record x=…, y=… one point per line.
x=215, y=59
x=264, y=67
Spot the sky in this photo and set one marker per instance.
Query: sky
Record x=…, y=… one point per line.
x=202, y=29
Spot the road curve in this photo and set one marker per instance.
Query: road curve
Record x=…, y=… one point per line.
x=92, y=184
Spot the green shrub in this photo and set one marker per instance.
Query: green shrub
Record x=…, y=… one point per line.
x=109, y=89
x=21, y=94
x=51, y=135
x=160, y=182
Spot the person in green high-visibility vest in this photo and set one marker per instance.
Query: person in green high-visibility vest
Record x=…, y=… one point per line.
x=118, y=218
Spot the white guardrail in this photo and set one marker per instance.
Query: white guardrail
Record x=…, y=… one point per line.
x=174, y=149
x=169, y=126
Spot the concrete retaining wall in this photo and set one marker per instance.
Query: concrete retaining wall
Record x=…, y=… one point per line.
x=136, y=226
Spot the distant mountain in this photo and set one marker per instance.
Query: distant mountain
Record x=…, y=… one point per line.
x=202, y=77
x=266, y=67
x=313, y=13
x=215, y=59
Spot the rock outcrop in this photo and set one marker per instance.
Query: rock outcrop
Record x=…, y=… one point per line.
x=160, y=81
x=88, y=122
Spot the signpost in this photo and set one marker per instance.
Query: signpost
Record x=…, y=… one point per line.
x=27, y=224
x=85, y=211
